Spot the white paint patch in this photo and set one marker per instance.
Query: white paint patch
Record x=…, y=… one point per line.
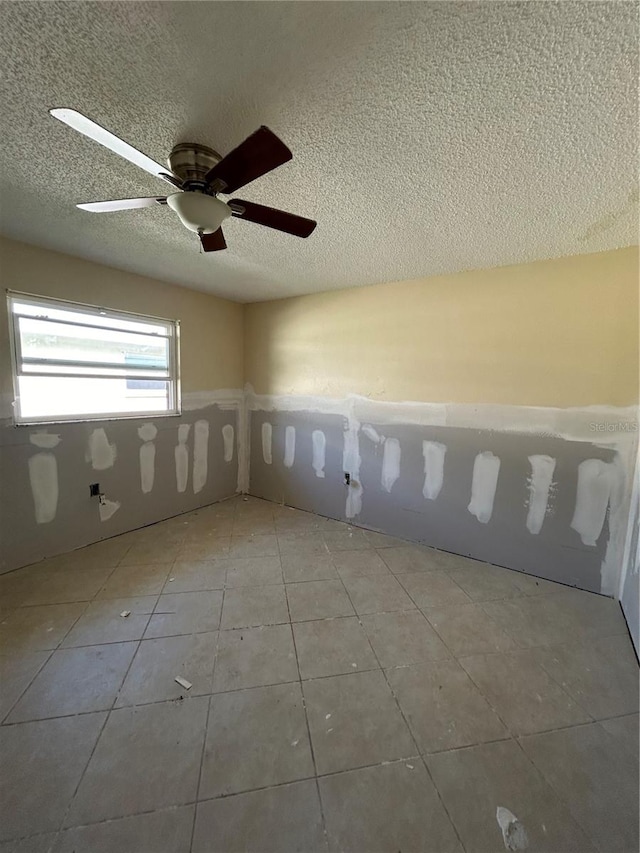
x=595, y=484
x=100, y=453
x=390, y=463
x=267, y=438
x=434, y=453
x=542, y=468
x=486, y=468
x=227, y=437
x=319, y=448
x=372, y=434
x=513, y=832
x=200, y=455
x=181, y=453
x=147, y=432
x=147, y=466
x=289, y=446
x=46, y=440
x=351, y=461
x=107, y=508
x=43, y=475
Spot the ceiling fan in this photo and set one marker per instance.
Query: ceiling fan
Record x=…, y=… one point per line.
x=198, y=174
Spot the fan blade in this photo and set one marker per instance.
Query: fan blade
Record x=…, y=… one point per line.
x=104, y=137
x=258, y=154
x=213, y=242
x=272, y=218
x=121, y=204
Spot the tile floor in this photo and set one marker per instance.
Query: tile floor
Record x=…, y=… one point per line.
x=351, y=692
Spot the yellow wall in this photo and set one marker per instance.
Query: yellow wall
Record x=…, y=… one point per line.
x=211, y=328
x=552, y=333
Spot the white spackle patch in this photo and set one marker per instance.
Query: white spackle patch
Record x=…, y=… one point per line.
x=107, y=509
x=147, y=432
x=595, y=483
x=486, y=468
x=390, y=463
x=289, y=446
x=147, y=466
x=267, y=438
x=319, y=447
x=100, y=453
x=434, y=453
x=513, y=832
x=46, y=440
x=182, y=457
x=228, y=434
x=372, y=434
x=43, y=475
x=351, y=461
x=542, y=468
x=200, y=455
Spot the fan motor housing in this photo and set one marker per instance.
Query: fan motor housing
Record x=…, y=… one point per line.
x=191, y=161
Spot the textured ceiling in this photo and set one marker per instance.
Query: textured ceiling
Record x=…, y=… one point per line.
x=427, y=137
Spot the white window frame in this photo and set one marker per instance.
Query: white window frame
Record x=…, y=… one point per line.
x=84, y=308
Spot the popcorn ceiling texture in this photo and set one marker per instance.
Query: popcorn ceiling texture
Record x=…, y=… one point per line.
x=427, y=137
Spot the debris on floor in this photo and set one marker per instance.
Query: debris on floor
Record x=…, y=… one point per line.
x=183, y=682
x=125, y=613
x=513, y=832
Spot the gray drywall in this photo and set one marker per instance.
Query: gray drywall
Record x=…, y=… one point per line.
x=556, y=552
x=77, y=520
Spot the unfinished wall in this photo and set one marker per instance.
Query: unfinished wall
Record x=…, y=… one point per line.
x=158, y=467
x=517, y=445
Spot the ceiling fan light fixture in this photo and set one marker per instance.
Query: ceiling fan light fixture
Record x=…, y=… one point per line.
x=199, y=212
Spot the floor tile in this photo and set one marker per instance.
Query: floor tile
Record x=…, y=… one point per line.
x=308, y=567
x=301, y=543
x=135, y=580
x=381, y=540
x=185, y=613
x=318, y=600
x=626, y=730
x=476, y=781
x=150, y=552
x=17, y=671
x=354, y=564
x=31, y=629
x=386, y=809
x=74, y=681
x=147, y=758
x=248, y=527
x=252, y=606
x=354, y=721
x=99, y=555
x=196, y=575
x=482, y=582
x=256, y=738
x=64, y=585
x=261, y=545
x=377, y=594
x=403, y=638
x=467, y=630
x=152, y=675
x=349, y=540
x=443, y=707
x=252, y=657
x=253, y=571
x=34, y=844
x=168, y=831
x=286, y=819
x=597, y=777
x=209, y=548
x=102, y=622
x=522, y=693
x=42, y=763
x=433, y=589
x=409, y=558
x=601, y=676
x=332, y=647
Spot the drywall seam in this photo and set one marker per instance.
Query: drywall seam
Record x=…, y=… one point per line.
x=486, y=468
x=434, y=453
x=266, y=434
x=318, y=449
x=147, y=432
x=390, y=463
x=540, y=482
x=182, y=457
x=43, y=476
x=289, y=446
x=200, y=455
x=228, y=435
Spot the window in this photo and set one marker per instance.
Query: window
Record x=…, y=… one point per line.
x=78, y=362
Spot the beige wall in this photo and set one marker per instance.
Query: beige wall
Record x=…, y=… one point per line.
x=211, y=328
x=553, y=333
